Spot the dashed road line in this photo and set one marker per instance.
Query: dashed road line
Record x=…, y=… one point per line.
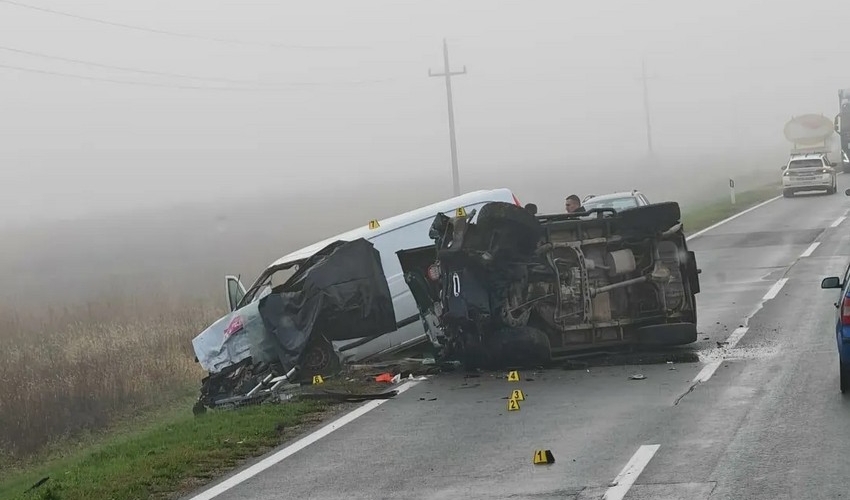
x=712, y=366
x=627, y=477
x=810, y=250
x=774, y=290
x=708, y=370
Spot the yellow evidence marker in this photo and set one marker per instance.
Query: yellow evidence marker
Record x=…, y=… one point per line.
x=542, y=457
x=518, y=395
x=513, y=376
x=513, y=405
x=317, y=379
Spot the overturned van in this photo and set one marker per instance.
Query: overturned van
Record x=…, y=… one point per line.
x=226, y=345
x=513, y=287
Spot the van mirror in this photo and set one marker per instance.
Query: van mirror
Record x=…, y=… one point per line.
x=235, y=291
x=831, y=282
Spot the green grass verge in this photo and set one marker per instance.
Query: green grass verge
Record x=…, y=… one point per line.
x=701, y=216
x=162, y=459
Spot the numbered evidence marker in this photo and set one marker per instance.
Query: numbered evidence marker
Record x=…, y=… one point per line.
x=518, y=395
x=542, y=457
x=513, y=405
x=317, y=379
x=513, y=376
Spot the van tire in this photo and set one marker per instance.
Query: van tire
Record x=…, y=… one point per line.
x=670, y=334
x=650, y=219
x=509, y=346
x=522, y=346
x=319, y=358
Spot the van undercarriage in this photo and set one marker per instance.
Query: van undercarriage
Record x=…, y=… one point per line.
x=515, y=288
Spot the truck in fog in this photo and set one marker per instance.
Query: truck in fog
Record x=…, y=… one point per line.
x=842, y=128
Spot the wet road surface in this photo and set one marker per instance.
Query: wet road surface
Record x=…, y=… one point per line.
x=757, y=415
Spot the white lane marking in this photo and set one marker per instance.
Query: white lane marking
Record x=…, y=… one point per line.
x=736, y=337
x=774, y=290
x=627, y=477
x=838, y=221
x=810, y=250
x=295, y=447
x=724, y=221
x=708, y=370
x=711, y=367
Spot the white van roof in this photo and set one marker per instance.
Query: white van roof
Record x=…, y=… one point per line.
x=500, y=194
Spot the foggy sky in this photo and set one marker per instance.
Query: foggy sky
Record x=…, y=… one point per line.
x=551, y=86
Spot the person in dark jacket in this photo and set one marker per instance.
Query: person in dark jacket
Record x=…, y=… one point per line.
x=573, y=204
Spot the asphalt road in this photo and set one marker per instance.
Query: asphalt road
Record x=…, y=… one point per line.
x=758, y=417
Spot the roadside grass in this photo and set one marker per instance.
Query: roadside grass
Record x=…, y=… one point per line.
x=65, y=372
x=698, y=217
x=164, y=459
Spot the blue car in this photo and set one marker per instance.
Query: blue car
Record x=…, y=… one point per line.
x=842, y=323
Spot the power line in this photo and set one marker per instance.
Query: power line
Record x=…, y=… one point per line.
x=124, y=82
x=124, y=68
x=185, y=87
x=173, y=33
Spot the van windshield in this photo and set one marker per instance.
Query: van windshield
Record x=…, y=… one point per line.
x=264, y=286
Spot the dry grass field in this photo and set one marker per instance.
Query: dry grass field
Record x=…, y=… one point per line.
x=67, y=370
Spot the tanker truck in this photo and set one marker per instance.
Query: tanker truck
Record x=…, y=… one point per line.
x=810, y=166
x=842, y=128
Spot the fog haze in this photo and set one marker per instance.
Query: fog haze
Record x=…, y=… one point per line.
x=552, y=88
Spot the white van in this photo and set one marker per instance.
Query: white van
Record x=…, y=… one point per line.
x=408, y=230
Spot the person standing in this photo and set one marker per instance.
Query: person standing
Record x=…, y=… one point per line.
x=573, y=204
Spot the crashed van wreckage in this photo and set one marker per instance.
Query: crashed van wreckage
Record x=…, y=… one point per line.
x=340, y=293
x=515, y=288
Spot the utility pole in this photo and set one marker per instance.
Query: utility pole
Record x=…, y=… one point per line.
x=646, y=108
x=449, y=74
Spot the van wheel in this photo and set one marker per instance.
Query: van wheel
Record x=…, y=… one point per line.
x=522, y=346
x=651, y=218
x=670, y=334
x=319, y=358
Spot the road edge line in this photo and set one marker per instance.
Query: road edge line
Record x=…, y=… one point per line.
x=731, y=218
x=295, y=447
